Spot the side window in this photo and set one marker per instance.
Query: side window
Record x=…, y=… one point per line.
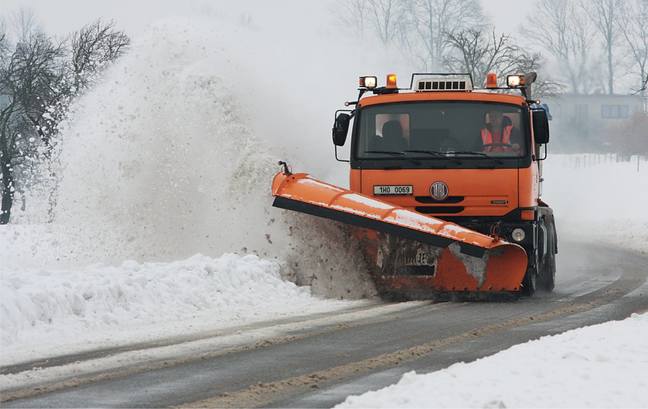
x=581, y=112
x=615, y=111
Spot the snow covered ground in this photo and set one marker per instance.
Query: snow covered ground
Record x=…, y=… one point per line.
x=49, y=312
x=599, y=198
x=47, y=293
x=602, y=366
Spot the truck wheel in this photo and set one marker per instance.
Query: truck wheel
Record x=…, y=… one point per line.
x=529, y=282
x=549, y=273
x=548, y=277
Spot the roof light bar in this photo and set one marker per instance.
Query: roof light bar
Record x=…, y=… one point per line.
x=441, y=82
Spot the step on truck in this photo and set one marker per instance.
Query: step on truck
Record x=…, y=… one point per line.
x=445, y=186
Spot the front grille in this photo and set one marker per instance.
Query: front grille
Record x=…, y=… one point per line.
x=439, y=209
x=429, y=199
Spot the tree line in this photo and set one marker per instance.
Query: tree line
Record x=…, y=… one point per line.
x=40, y=75
x=593, y=44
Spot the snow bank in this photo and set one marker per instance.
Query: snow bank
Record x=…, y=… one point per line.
x=601, y=366
x=44, y=312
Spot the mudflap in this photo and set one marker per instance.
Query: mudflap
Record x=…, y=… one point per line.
x=411, y=255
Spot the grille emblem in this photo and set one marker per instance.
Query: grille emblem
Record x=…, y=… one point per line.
x=439, y=191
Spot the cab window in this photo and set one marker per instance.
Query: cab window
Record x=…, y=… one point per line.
x=424, y=129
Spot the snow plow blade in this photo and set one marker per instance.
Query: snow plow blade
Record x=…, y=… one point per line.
x=409, y=254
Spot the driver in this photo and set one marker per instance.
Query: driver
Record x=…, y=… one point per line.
x=496, y=134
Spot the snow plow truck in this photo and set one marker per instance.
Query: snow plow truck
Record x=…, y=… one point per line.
x=445, y=186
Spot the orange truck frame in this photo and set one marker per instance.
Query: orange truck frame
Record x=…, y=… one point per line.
x=445, y=186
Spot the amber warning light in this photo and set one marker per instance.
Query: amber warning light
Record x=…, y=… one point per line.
x=491, y=80
x=391, y=81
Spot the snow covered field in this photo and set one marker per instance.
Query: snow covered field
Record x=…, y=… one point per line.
x=599, y=198
x=602, y=366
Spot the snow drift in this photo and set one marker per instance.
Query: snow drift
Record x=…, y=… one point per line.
x=101, y=306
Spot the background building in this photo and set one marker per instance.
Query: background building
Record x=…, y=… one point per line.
x=589, y=123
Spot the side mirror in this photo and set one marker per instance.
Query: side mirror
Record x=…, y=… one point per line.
x=540, y=126
x=341, y=129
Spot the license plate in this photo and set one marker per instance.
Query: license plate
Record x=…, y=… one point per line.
x=393, y=190
x=423, y=258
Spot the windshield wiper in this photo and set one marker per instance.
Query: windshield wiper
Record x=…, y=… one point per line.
x=469, y=153
x=387, y=152
x=485, y=155
x=436, y=154
x=433, y=153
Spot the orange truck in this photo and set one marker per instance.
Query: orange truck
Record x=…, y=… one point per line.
x=445, y=186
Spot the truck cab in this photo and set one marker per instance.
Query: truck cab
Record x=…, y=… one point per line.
x=444, y=149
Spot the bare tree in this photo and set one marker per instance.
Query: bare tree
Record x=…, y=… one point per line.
x=643, y=87
x=433, y=21
x=24, y=24
x=385, y=19
x=544, y=85
x=635, y=33
x=607, y=15
x=94, y=46
x=38, y=80
x=26, y=78
x=565, y=31
x=478, y=53
x=388, y=18
x=3, y=39
x=353, y=15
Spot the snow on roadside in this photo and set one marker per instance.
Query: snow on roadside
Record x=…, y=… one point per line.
x=101, y=306
x=627, y=234
x=599, y=198
x=598, y=366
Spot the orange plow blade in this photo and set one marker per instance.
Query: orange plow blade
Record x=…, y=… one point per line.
x=409, y=253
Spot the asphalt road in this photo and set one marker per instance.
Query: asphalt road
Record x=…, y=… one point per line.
x=319, y=366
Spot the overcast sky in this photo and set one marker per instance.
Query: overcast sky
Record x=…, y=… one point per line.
x=64, y=16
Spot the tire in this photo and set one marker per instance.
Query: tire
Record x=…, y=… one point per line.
x=547, y=276
x=547, y=280
x=529, y=284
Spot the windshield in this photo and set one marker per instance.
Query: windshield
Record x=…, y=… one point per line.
x=441, y=129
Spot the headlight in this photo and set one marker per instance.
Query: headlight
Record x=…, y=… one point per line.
x=518, y=234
